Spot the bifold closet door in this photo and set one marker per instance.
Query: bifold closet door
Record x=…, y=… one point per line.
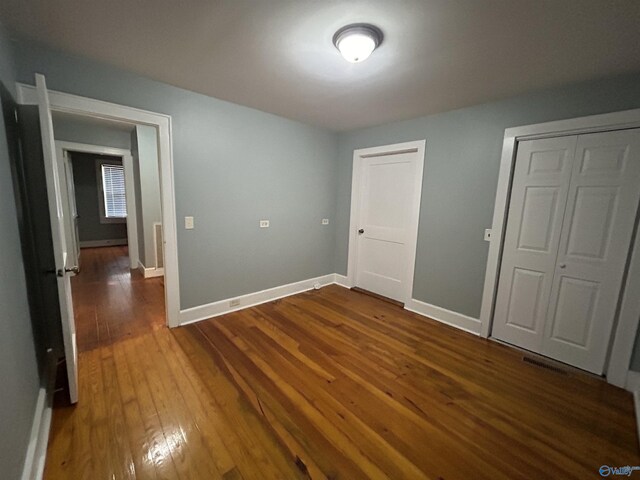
x=594, y=246
x=539, y=191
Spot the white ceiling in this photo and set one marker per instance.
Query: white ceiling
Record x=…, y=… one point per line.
x=277, y=55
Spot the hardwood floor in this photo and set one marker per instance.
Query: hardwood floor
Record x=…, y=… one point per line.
x=110, y=301
x=330, y=384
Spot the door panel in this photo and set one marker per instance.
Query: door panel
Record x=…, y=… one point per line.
x=524, y=298
x=386, y=210
x=599, y=220
x=54, y=194
x=538, y=198
x=571, y=321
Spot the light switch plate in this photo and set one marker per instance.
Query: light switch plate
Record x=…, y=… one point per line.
x=325, y=221
x=264, y=223
x=487, y=235
x=188, y=223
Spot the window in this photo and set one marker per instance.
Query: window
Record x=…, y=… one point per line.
x=113, y=198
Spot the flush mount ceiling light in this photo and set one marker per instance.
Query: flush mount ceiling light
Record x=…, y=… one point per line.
x=357, y=41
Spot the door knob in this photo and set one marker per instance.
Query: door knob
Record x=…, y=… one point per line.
x=361, y=231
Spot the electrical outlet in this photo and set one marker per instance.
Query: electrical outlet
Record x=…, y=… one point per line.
x=234, y=303
x=487, y=235
x=325, y=221
x=188, y=223
x=264, y=223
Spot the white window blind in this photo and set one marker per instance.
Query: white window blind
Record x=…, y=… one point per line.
x=115, y=199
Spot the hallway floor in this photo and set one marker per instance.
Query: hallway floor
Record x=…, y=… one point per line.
x=112, y=302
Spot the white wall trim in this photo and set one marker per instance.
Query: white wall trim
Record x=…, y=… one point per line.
x=103, y=243
x=625, y=333
x=342, y=280
x=451, y=318
x=356, y=183
x=74, y=104
x=37, y=449
x=35, y=456
x=153, y=272
x=203, y=312
x=150, y=272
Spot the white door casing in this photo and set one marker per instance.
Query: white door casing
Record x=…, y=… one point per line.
x=54, y=194
x=386, y=192
x=562, y=302
x=538, y=198
x=594, y=247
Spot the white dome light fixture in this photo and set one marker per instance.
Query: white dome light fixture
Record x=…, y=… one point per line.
x=357, y=41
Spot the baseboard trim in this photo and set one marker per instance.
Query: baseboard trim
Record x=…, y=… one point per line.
x=103, y=243
x=342, y=280
x=448, y=317
x=150, y=272
x=203, y=312
x=37, y=449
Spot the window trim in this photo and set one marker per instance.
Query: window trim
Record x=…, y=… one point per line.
x=101, y=207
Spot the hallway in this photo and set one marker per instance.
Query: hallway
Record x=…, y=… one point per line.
x=112, y=302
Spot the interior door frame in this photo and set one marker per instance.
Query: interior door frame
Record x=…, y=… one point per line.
x=74, y=104
x=625, y=329
x=417, y=147
x=63, y=146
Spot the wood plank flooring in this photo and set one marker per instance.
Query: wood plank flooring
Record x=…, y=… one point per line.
x=330, y=384
x=112, y=302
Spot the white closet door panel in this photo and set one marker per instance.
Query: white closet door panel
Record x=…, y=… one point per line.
x=538, y=197
x=594, y=246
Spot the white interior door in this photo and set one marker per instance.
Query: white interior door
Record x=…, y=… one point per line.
x=54, y=193
x=594, y=247
x=538, y=198
x=390, y=190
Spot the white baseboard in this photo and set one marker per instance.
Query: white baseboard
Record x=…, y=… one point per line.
x=103, y=243
x=202, y=312
x=150, y=272
x=221, y=307
x=342, y=280
x=454, y=319
x=39, y=439
x=153, y=272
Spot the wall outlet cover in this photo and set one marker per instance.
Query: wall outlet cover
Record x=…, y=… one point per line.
x=234, y=303
x=188, y=223
x=325, y=221
x=487, y=235
x=264, y=223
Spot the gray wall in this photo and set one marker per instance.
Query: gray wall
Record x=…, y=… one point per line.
x=85, y=179
x=460, y=177
x=81, y=131
x=233, y=166
x=147, y=186
x=18, y=368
